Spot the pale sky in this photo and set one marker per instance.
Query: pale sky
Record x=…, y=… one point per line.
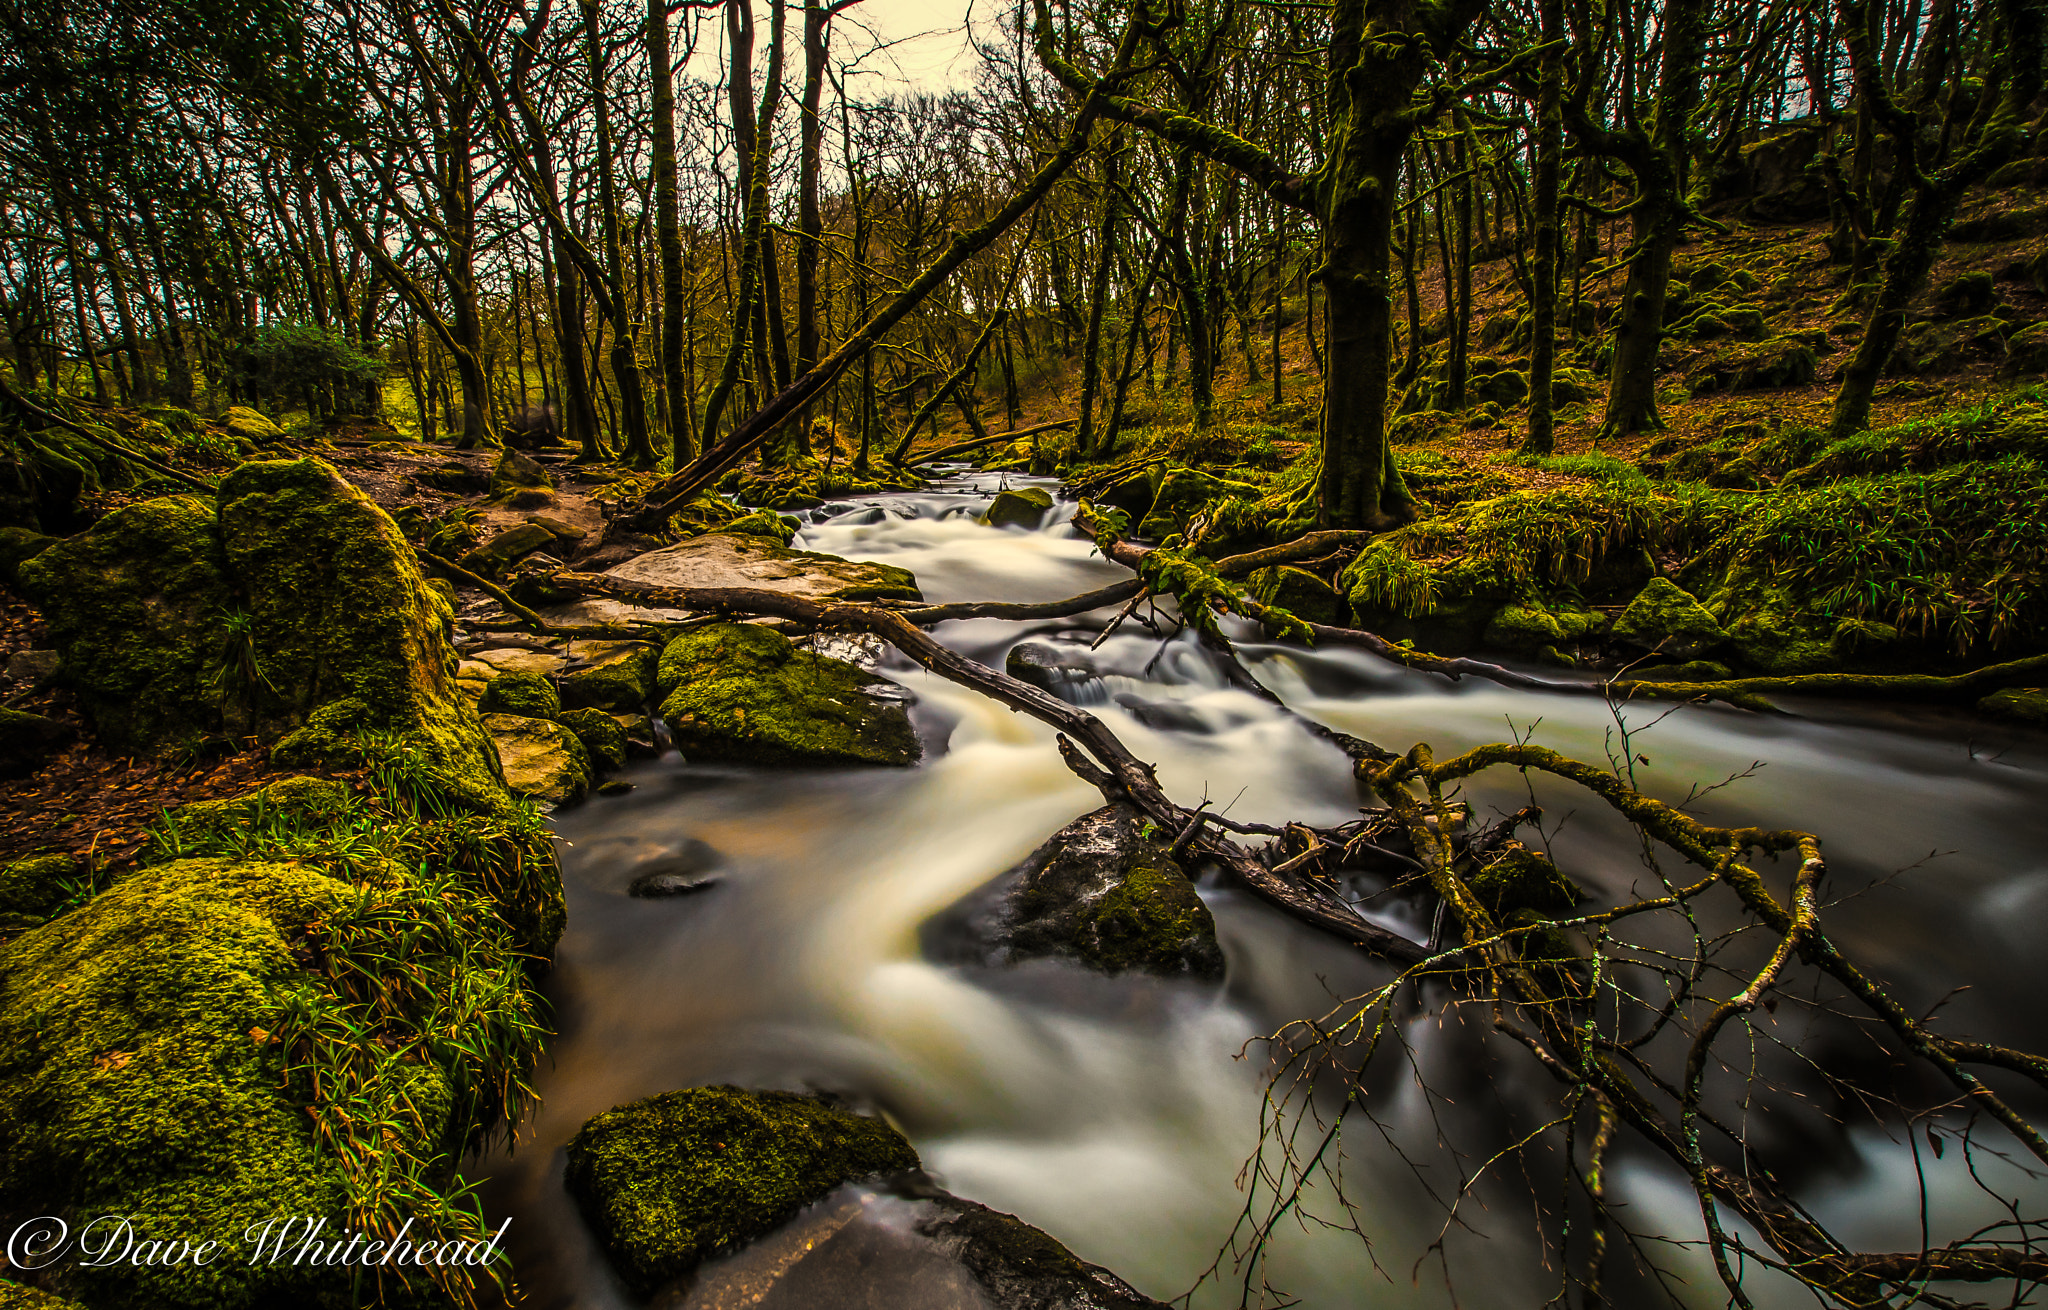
x=925, y=41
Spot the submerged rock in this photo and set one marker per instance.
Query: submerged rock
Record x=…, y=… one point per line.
x=667, y=1182
x=1102, y=890
x=1023, y=507
x=541, y=758
x=741, y=692
x=724, y=560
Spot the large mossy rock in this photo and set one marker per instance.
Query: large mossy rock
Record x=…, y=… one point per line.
x=527, y=695
x=541, y=758
x=1665, y=617
x=670, y=1181
x=138, y=606
x=728, y=560
x=1018, y=507
x=741, y=692
x=611, y=675
x=1104, y=891
x=136, y=1077
x=245, y=424
x=341, y=612
x=1528, y=627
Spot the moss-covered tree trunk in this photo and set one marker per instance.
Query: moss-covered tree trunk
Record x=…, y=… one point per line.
x=1098, y=296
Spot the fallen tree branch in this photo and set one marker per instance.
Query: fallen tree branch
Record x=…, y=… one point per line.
x=993, y=438
x=1116, y=772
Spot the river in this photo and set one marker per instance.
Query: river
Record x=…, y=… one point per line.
x=1118, y=1114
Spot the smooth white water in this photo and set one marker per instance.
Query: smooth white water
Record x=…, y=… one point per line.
x=1117, y=1114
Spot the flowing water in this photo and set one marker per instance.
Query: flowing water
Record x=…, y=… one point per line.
x=1117, y=1114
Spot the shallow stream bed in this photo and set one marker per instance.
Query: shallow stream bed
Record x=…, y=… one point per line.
x=1117, y=1114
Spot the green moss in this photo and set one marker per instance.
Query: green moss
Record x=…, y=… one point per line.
x=1529, y=626
x=526, y=694
x=1147, y=921
x=1300, y=593
x=1663, y=616
x=17, y=547
x=667, y=1182
x=1018, y=507
x=15, y=1296
x=1522, y=879
x=764, y=523
x=620, y=677
x=1692, y=671
x=604, y=740
x=246, y=424
x=37, y=886
x=2018, y=705
x=304, y=798
x=340, y=612
x=135, y=606
x=130, y=1082
x=1185, y=493
x=741, y=692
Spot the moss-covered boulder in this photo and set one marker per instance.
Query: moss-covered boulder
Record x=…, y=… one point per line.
x=308, y=799
x=2027, y=705
x=2026, y=353
x=1527, y=627
x=36, y=885
x=1018, y=507
x=603, y=738
x=17, y=547
x=1779, y=362
x=1103, y=891
x=1665, y=617
x=670, y=1181
x=610, y=675
x=540, y=758
x=518, y=481
x=340, y=612
x=507, y=548
x=245, y=424
x=779, y=528
x=1300, y=593
x=527, y=695
x=741, y=692
x=137, y=1078
x=138, y=607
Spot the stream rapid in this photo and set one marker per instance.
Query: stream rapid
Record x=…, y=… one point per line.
x=1118, y=1114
